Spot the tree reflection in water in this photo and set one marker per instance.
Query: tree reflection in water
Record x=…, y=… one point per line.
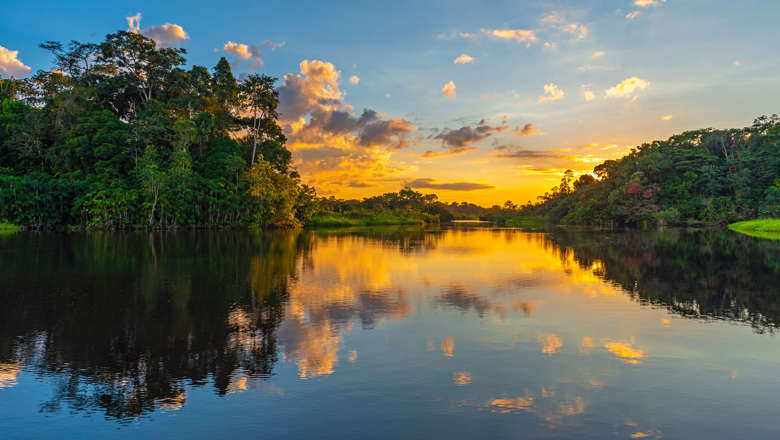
x=126, y=323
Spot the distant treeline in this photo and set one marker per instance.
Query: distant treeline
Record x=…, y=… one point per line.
x=119, y=135
x=698, y=177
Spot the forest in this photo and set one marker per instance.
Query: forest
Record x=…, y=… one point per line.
x=118, y=135
x=700, y=177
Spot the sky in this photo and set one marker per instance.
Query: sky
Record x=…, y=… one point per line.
x=477, y=102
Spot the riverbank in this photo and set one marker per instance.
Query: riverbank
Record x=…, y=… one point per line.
x=761, y=228
x=375, y=220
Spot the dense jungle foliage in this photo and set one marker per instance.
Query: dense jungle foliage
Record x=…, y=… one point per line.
x=698, y=177
x=119, y=135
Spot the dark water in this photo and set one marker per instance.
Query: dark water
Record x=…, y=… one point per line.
x=389, y=333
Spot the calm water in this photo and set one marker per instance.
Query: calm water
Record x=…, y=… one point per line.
x=389, y=333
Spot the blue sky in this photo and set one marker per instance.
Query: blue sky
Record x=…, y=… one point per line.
x=689, y=64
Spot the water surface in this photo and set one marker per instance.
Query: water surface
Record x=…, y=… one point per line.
x=468, y=332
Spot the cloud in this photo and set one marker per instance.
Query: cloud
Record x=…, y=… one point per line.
x=627, y=87
x=450, y=152
x=580, y=31
x=522, y=35
x=589, y=96
x=315, y=88
x=553, y=18
x=667, y=117
x=633, y=15
x=598, y=54
x=389, y=133
x=643, y=3
x=551, y=93
x=452, y=186
x=10, y=63
x=526, y=130
x=557, y=21
x=463, y=59
x=167, y=35
x=467, y=135
x=448, y=90
x=737, y=63
x=331, y=144
x=507, y=151
x=252, y=53
x=354, y=79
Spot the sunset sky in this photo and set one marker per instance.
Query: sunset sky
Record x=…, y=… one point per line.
x=479, y=102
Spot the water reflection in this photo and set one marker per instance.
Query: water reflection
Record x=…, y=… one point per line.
x=128, y=325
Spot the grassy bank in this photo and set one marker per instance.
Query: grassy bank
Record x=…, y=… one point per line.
x=375, y=220
x=762, y=228
x=7, y=228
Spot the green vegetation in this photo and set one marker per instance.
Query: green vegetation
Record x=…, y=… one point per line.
x=406, y=207
x=701, y=177
x=762, y=228
x=374, y=220
x=118, y=135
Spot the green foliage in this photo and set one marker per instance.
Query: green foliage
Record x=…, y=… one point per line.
x=406, y=207
x=121, y=136
x=762, y=228
x=698, y=177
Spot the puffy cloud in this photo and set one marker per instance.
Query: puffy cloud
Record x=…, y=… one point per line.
x=580, y=31
x=526, y=130
x=252, y=53
x=627, y=87
x=589, y=96
x=522, y=35
x=10, y=63
x=316, y=87
x=448, y=90
x=633, y=15
x=598, y=54
x=557, y=21
x=389, y=133
x=467, y=135
x=452, y=186
x=334, y=147
x=551, y=93
x=463, y=59
x=354, y=79
x=167, y=35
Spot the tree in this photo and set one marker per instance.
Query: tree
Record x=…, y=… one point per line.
x=259, y=100
x=153, y=179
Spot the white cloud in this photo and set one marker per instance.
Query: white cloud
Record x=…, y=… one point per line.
x=627, y=87
x=448, y=90
x=633, y=15
x=354, y=79
x=167, y=35
x=463, y=59
x=598, y=54
x=643, y=3
x=551, y=93
x=522, y=35
x=252, y=53
x=580, y=31
x=10, y=63
x=589, y=96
